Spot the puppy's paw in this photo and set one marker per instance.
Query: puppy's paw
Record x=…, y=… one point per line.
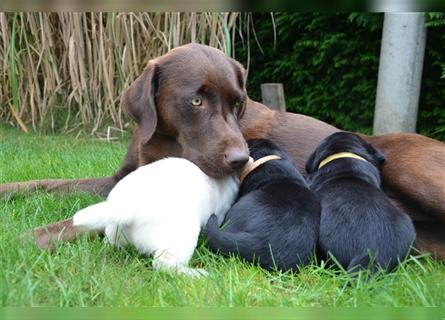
x=166, y=261
x=212, y=220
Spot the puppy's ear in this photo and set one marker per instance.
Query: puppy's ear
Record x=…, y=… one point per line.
x=310, y=164
x=139, y=101
x=377, y=155
x=380, y=156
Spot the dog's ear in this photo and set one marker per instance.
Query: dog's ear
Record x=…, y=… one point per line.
x=241, y=76
x=139, y=101
x=378, y=156
x=310, y=164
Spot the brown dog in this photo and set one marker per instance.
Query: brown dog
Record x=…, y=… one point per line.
x=192, y=103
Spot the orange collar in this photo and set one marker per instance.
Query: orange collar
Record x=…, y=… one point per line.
x=252, y=166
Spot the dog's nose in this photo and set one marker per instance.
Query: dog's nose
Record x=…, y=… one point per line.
x=237, y=158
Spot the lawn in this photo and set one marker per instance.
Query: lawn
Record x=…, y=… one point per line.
x=93, y=273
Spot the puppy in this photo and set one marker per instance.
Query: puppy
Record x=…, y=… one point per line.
x=160, y=208
x=359, y=225
x=276, y=218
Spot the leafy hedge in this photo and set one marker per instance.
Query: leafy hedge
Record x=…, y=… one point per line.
x=328, y=64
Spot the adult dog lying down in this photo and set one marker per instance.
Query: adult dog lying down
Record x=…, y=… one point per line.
x=192, y=103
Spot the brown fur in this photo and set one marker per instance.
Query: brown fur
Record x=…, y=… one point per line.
x=413, y=175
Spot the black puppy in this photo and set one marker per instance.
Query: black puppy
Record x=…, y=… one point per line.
x=276, y=217
x=359, y=225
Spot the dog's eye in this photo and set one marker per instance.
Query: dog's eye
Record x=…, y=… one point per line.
x=196, y=102
x=237, y=107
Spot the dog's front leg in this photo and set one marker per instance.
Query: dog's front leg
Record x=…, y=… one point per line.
x=48, y=236
x=98, y=186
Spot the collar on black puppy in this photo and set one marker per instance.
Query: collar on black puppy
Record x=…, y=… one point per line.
x=256, y=164
x=338, y=156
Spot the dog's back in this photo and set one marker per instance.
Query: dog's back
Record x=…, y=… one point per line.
x=169, y=186
x=163, y=190
x=275, y=220
x=359, y=225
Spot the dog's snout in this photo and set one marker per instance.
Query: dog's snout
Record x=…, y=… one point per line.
x=237, y=158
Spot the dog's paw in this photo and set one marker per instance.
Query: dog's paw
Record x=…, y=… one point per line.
x=43, y=239
x=48, y=236
x=212, y=220
x=166, y=261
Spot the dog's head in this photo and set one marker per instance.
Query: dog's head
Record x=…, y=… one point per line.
x=259, y=148
x=271, y=171
x=344, y=142
x=196, y=95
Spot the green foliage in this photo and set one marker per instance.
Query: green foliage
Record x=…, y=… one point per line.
x=431, y=119
x=328, y=64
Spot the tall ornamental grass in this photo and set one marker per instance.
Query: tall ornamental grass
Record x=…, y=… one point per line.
x=67, y=71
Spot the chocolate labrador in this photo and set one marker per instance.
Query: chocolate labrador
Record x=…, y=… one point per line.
x=192, y=103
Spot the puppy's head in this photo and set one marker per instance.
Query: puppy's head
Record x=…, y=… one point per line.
x=196, y=95
x=259, y=148
x=275, y=169
x=344, y=142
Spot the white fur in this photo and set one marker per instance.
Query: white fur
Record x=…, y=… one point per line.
x=160, y=209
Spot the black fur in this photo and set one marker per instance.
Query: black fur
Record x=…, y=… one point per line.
x=276, y=217
x=359, y=225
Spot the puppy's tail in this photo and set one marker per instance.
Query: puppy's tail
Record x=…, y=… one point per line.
x=97, y=217
x=226, y=242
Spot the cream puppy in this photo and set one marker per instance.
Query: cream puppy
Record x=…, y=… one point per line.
x=160, y=209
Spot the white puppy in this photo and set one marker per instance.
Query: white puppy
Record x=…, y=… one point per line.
x=160, y=209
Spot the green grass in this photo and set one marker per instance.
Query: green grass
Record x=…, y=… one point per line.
x=93, y=273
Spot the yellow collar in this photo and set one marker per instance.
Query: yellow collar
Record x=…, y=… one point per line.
x=256, y=164
x=338, y=156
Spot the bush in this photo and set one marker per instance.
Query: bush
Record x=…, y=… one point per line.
x=328, y=64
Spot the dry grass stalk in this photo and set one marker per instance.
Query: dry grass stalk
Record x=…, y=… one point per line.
x=61, y=69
